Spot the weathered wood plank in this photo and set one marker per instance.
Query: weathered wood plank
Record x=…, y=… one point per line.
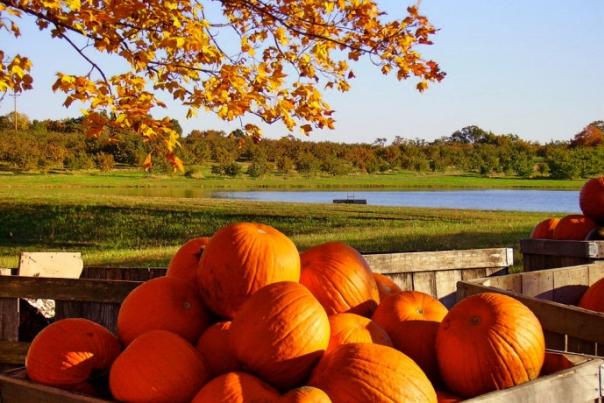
x=446, y=285
x=440, y=260
x=9, y=319
x=569, y=285
x=403, y=280
x=13, y=352
x=51, y=264
x=539, y=284
x=549, y=247
x=579, y=384
x=109, y=291
x=425, y=282
x=18, y=390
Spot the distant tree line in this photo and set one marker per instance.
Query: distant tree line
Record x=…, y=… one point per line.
x=61, y=144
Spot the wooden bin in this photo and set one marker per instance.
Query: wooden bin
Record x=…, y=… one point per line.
x=539, y=254
x=552, y=294
x=580, y=384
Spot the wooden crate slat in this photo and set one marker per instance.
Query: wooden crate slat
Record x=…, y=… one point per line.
x=109, y=291
x=425, y=282
x=582, y=249
x=440, y=260
x=9, y=319
x=13, y=352
x=446, y=286
x=579, y=384
x=538, y=285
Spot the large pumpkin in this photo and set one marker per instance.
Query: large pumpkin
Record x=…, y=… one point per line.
x=166, y=303
x=215, y=347
x=411, y=319
x=364, y=372
x=185, y=261
x=591, y=199
x=280, y=333
x=574, y=227
x=305, y=394
x=340, y=278
x=487, y=342
x=385, y=285
x=66, y=352
x=351, y=328
x=239, y=260
x=545, y=229
x=158, y=366
x=593, y=298
x=236, y=387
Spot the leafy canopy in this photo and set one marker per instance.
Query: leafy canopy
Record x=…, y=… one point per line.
x=285, y=53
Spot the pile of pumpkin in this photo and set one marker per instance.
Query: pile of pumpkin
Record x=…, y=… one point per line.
x=253, y=320
x=578, y=227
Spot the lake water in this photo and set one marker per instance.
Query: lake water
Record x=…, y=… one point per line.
x=512, y=200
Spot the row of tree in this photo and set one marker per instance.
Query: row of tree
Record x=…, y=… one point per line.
x=52, y=144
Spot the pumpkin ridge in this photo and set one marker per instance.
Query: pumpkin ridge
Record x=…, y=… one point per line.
x=510, y=350
x=298, y=323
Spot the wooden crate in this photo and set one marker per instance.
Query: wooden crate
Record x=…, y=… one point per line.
x=539, y=254
x=580, y=384
x=551, y=294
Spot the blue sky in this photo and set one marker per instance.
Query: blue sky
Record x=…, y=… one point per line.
x=529, y=67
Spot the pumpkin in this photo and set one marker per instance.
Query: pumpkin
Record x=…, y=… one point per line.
x=239, y=260
x=65, y=353
x=340, y=278
x=216, y=350
x=385, y=285
x=185, y=261
x=591, y=199
x=446, y=397
x=574, y=227
x=593, y=298
x=351, y=328
x=236, y=387
x=158, y=366
x=555, y=362
x=362, y=372
x=305, y=394
x=487, y=342
x=545, y=229
x=166, y=303
x=280, y=333
x=411, y=319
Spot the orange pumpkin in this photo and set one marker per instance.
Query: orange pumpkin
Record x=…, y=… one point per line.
x=411, y=319
x=65, y=353
x=351, y=328
x=591, y=199
x=371, y=373
x=185, y=261
x=216, y=350
x=593, y=298
x=545, y=229
x=555, y=362
x=236, y=387
x=446, y=397
x=573, y=227
x=305, y=394
x=385, y=286
x=280, y=333
x=239, y=260
x=166, y=303
x=158, y=366
x=340, y=278
x=487, y=342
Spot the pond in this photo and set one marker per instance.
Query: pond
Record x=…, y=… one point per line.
x=511, y=200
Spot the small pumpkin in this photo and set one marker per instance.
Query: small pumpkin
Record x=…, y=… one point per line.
x=166, y=303
x=574, y=227
x=65, y=353
x=362, y=372
x=215, y=348
x=305, y=394
x=411, y=319
x=280, y=333
x=185, y=261
x=239, y=260
x=340, y=278
x=591, y=199
x=545, y=229
x=351, y=328
x=236, y=387
x=593, y=298
x=488, y=342
x=158, y=366
x=385, y=285
x=446, y=397
x=554, y=363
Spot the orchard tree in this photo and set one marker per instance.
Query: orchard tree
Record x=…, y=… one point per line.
x=240, y=59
